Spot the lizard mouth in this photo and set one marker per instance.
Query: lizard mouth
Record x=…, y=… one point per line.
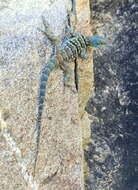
x=104, y=43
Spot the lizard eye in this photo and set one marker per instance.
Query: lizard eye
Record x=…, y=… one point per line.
x=101, y=43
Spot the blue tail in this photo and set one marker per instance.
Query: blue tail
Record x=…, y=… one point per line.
x=41, y=99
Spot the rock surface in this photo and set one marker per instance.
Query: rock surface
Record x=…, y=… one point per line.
x=113, y=153
x=23, y=51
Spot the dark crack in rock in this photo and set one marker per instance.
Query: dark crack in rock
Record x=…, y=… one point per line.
x=113, y=153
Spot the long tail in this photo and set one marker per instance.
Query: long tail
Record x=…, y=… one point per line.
x=42, y=91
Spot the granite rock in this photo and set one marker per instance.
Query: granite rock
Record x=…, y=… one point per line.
x=23, y=52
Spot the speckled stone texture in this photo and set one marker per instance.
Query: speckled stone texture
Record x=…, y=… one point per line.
x=23, y=52
x=113, y=153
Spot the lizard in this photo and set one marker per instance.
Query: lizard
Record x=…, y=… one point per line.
x=63, y=54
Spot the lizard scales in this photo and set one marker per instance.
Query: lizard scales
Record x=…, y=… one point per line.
x=69, y=51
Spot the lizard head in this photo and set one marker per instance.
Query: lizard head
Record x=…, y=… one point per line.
x=96, y=41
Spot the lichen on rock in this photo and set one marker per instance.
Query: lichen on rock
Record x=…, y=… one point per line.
x=114, y=103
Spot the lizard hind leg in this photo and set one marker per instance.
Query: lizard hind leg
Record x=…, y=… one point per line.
x=68, y=73
x=50, y=35
x=71, y=31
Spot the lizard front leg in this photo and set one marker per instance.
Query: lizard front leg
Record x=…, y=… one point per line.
x=84, y=54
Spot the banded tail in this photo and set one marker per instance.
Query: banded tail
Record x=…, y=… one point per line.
x=41, y=98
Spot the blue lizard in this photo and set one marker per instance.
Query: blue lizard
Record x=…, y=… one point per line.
x=69, y=51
